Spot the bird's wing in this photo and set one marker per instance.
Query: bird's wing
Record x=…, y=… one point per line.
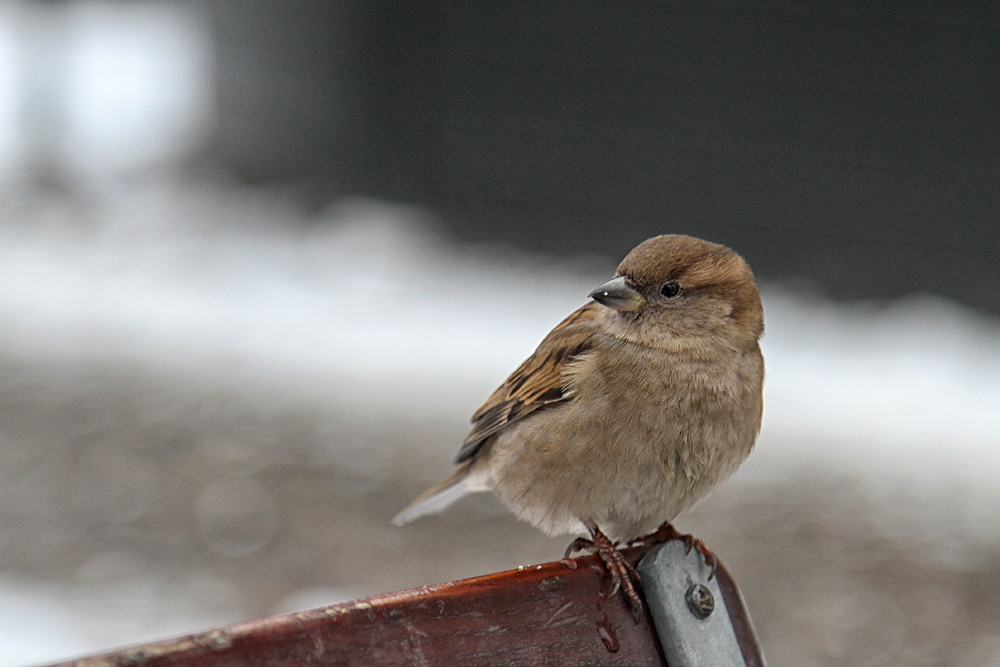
x=536, y=383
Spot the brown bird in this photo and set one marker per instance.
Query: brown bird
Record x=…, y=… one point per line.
x=631, y=410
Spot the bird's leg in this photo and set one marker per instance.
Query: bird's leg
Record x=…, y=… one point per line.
x=667, y=533
x=623, y=575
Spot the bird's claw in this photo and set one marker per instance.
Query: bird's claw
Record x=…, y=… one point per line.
x=667, y=533
x=579, y=544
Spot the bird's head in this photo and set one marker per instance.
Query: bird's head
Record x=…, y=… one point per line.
x=674, y=288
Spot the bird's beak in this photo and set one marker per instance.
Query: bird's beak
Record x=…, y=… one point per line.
x=618, y=294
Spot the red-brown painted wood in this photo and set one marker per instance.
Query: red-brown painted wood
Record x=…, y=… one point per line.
x=538, y=615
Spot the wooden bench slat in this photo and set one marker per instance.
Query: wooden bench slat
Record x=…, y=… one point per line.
x=538, y=615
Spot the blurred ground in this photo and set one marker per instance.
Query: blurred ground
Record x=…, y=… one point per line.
x=212, y=401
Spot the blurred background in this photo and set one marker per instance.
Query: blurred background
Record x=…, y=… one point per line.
x=260, y=261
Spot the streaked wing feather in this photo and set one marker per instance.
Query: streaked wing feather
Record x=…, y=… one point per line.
x=536, y=383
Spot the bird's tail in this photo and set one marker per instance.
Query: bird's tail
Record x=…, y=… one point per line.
x=440, y=496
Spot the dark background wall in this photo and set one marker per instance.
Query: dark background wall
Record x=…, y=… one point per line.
x=855, y=145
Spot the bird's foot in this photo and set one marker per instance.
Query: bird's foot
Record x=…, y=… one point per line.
x=622, y=574
x=667, y=533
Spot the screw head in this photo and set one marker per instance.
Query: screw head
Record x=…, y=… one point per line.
x=700, y=601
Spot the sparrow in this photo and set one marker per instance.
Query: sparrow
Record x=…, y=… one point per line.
x=630, y=411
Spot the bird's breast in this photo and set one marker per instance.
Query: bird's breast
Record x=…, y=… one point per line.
x=665, y=409
x=643, y=436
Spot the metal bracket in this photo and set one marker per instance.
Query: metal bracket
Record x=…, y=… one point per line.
x=700, y=623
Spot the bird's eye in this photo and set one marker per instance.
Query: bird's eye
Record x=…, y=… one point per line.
x=670, y=290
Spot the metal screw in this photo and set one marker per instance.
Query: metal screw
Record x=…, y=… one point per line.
x=700, y=601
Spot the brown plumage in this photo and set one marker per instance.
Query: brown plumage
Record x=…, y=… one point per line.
x=633, y=408
x=536, y=383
